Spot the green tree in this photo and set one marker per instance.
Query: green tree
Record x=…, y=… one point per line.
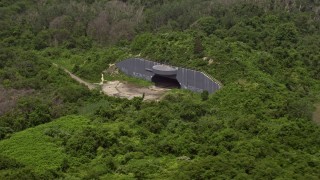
x=205, y=95
x=198, y=47
x=286, y=33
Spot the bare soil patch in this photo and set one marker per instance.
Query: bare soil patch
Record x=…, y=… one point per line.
x=122, y=89
x=129, y=91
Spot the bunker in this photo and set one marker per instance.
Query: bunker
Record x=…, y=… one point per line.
x=168, y=76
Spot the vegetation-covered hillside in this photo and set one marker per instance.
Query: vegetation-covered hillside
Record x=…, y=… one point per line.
x=258, y=126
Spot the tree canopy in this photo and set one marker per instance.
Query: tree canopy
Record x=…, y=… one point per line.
x=258, y=126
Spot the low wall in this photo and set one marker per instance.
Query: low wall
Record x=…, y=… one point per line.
x=189, y=79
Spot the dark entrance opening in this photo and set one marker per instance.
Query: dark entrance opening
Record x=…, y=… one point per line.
x=165, y=82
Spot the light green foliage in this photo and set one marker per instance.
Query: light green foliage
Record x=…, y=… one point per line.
x=36, y=147
x=206, y=24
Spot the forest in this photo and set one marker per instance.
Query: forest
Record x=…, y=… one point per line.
x=260, y=125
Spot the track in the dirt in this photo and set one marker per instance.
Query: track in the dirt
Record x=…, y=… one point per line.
x=124, y=90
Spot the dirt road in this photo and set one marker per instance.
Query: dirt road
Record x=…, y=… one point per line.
x=123, y=90
x=89, y=85
x=81, y=81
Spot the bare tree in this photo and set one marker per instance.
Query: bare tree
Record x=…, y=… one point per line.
x=61, y=22
x=117, y=20
x=99, y=27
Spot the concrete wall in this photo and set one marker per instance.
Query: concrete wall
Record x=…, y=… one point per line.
x=189, y=79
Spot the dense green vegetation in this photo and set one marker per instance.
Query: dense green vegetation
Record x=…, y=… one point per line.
x=259, y=126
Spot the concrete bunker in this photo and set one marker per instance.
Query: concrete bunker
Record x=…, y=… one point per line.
x=165, y=76
x=168, y=76
x=165, y=82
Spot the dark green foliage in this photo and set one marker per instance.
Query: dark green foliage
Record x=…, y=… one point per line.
x=12, y=169
x=72, y=93
x=286, y=32
x=140, y=42
x=23, y=174
x=88, y=140
x=198, y=48
x=55, y=96
x=207, y=24
x=29, y=112
x=205, y=95
x=5, y=131
x=8, y=163
x=65, y=165
x=258, y=126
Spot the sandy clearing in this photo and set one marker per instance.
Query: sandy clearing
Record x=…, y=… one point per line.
x=129, y=91
x=121, y=89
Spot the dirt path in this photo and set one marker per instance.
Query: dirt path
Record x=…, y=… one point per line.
x=123, y=90
x=316, y=114
x=89, y=85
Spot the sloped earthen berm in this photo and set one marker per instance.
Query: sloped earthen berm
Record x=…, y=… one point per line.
x=153, y=71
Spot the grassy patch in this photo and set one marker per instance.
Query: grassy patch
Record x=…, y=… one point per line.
x=90, y=108
x=37, y=150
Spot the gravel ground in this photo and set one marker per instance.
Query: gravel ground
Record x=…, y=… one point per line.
x=123, y=90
